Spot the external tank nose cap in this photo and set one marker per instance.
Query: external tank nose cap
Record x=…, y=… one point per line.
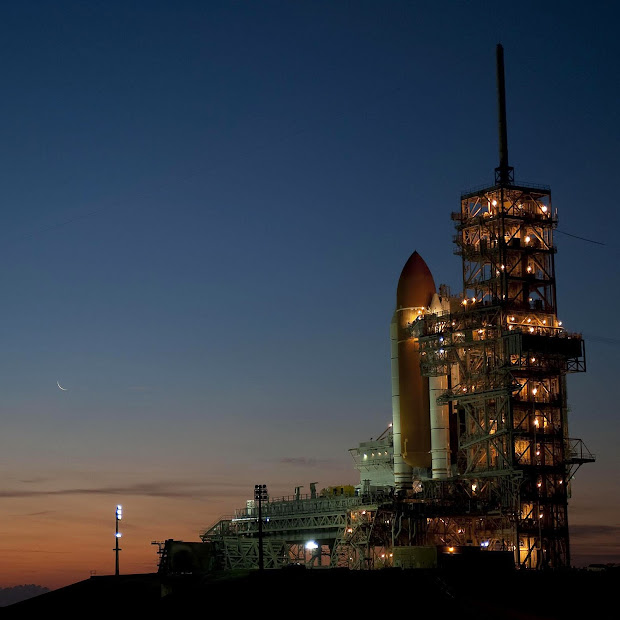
x=416, y=286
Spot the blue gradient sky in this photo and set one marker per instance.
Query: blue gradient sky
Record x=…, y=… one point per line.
x=205, y=210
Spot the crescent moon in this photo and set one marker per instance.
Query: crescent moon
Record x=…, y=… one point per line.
x=60, y=386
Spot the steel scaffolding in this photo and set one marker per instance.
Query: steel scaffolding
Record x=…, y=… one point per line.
x=507, y=355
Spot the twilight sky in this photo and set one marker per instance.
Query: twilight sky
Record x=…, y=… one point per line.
x=205, y=210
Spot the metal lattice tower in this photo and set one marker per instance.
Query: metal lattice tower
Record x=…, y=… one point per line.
x=506, y=355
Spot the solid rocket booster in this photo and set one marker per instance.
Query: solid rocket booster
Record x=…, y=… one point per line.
x=410, y=390
x=439, y=412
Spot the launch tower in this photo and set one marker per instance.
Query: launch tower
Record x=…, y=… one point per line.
x=505, y=357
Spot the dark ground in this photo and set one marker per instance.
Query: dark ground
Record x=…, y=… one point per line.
x=308, y=593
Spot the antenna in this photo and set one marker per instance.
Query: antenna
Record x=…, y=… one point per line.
x=504, y=174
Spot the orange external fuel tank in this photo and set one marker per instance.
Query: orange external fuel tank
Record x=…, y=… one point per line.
x=410, y=390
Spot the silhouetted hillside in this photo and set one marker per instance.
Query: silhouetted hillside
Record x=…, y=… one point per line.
x=462, y=594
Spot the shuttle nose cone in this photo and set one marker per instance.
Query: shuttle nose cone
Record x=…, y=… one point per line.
x=415, y=285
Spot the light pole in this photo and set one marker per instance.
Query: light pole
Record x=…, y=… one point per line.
x=260, y=494
x=119, y=516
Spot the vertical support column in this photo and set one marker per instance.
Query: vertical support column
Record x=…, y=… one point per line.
x=440, y=429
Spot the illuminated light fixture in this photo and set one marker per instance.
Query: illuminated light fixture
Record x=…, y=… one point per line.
x=536, y=422
x=450, y=549
x=544, y=208
x=533, y=360
x=544, y=321
x=531, y=329
x=529, y=320
x=540, y=483
x=474, y=487
x=510, y=327
x=528, y=239
x=365, y=456
x=464, y=302
x=441, y=351
x=311, y=545
x=117, y=549
x=473, y=300
x=502, y=267
x=494, y=203
x=529, y=269
x=560, y=323
x=512, y=318
x=534, y=391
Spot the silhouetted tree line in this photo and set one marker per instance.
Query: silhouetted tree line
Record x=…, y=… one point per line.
x=8, y=596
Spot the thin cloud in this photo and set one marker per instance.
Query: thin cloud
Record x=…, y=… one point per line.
x=299, y=461
x=595, y=544
x=24, y=550
x=307, y=462
x=148, y=489
x=587, y=531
